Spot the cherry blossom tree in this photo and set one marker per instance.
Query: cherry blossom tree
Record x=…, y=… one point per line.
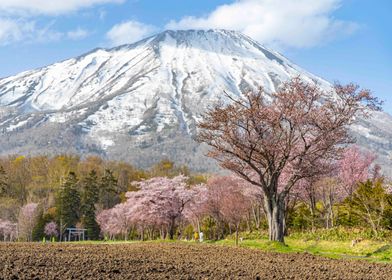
x=160, y=203
x=229, y=200
x=355, y=167
x=164, y=200
x=236, y=203
x=28, y=217
x=298, y=128
x=214, y=203
x=8, y=230
x=196, y=209
x=51, y=229
x=104, y=221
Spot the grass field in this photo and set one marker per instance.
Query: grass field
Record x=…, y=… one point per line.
x=367, y=249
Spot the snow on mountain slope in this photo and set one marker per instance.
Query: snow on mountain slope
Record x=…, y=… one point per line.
x=141, y=102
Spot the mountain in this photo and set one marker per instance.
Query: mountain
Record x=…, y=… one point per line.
x=141, y=102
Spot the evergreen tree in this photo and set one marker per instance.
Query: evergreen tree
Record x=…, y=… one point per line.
x=39, y=229
x=90, y=197
x=68, y=203
x=108, y=191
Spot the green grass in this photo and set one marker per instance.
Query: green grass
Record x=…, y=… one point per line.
x=376, y=251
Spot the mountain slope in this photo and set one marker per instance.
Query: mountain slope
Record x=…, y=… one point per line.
x=141, y=102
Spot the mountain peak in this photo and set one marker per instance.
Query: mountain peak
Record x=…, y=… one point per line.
x=141, y=102
x=214, y=40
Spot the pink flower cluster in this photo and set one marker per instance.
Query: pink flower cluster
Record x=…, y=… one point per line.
x=163, y=203
x=51, y=229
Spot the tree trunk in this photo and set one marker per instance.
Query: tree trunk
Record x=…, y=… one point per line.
x=198, y=226
x=171, y=230
x=275, y=210
x=61, y=230
x=162, y=233
x=236, y=235
x=372, y=224
x=248, y=222
x=330, y=216
x=256, y=215
x=217, y=233
x=313, y=217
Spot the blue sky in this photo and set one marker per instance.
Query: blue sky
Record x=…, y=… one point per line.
x=344, y=40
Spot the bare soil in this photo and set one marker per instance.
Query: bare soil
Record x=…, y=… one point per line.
x=172, y=261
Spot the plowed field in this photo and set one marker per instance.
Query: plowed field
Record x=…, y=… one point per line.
x=172, y=261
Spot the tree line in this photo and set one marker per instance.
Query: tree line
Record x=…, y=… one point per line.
x=353, y=195
x=65, y=191
x=170, y=202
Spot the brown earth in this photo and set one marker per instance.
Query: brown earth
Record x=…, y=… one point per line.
x=172, y=261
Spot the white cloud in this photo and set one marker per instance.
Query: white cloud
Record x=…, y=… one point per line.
x=128, y=32
x=15, y=31
x=28, y=31
x=283, y=23
x=18, y=20
x=12, y=31
x=77, y=34
x=48, y=7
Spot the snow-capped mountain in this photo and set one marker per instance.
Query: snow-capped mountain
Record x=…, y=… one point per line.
x=141, y=102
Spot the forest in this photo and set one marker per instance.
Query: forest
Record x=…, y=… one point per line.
x=41, y=196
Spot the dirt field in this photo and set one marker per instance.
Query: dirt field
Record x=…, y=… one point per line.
x=172, y=261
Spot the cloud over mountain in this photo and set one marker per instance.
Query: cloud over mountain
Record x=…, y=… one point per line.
x=128, y=32
x=287, y=23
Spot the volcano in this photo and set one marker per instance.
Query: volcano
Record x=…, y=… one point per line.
x=141, y=102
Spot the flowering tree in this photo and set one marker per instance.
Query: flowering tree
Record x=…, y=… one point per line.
x=118, y=220
x=159, y=203
x=354, y=168
x=166, y=200
x=228, y=199
x=51, y=229
x=196, y=209
x=104, y=221
x=28, y=216
x=8, y=230
x=298, y=129
x=313, y=189
x=214, y=202
x=236, y=203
